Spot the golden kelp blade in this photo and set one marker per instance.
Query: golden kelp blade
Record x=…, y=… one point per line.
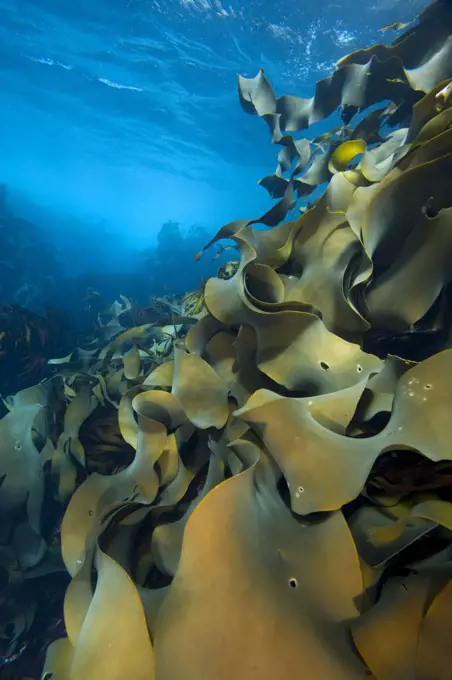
x=244, y=590
x=345, y=153
x=126, y=651
x=58, y=660
x=396, y=26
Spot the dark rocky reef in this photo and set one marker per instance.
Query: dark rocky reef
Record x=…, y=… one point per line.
x=30, y=272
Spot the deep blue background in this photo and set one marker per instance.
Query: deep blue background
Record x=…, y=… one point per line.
x=118, y=115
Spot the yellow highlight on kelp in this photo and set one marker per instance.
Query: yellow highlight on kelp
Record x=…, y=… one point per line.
x=345, y=153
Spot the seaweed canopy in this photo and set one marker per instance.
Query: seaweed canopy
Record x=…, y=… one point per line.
x=27, y=341
x=285, y=502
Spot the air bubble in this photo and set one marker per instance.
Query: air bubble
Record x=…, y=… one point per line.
x=324, y=365
x=293, y=583
x=359, y=368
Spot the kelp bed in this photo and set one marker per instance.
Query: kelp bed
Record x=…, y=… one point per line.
x=263, y=488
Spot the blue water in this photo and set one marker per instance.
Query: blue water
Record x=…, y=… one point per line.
x=126, y=110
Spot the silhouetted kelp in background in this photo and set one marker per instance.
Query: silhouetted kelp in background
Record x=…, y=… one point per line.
x=30, y=272
x=36, y=275
x=27, y=342
x=31, y=331
x=254, y=485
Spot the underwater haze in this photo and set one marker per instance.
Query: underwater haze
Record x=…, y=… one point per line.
x=125, y=112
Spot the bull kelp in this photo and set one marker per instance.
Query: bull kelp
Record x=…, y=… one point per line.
x=260, y=484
